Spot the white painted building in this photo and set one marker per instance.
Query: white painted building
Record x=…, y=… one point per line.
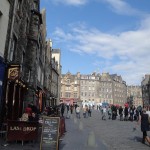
x=56, y=53
x=4, y=19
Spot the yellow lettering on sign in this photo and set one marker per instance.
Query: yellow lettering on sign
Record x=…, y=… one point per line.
x=15, y=128
x=29, y=128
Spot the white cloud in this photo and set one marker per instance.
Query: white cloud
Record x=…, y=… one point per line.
x=121, y=7
x=70, y=2
x=127, y=52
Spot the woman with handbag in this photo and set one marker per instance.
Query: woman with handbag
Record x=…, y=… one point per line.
x=144, y=120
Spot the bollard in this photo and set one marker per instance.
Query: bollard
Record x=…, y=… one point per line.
x=91, y=140
x=80, y=125
x=75, y=120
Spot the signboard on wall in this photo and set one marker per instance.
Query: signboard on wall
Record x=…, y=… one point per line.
x=13, y=72
x=50, y=133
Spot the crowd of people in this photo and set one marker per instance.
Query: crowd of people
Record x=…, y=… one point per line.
x=132, y=113
x=127, y=113
x=113, y=112
x=77, y=109
x=32, y=113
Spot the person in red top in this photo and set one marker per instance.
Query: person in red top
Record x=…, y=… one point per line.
x=28, y=110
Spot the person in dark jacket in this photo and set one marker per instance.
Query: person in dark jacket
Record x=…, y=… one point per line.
x=143, y=119
x=126, y=114
x=62, y=109
x=121, y=113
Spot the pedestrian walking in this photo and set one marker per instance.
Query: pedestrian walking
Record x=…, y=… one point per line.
x=131, y=110
x=104, y=113
x=68, y=107
x=144, y=120
x=114, y=112
x=137, y=114
x=89, y=111
x=62, y=109
x=71, y=108
x=109, y=112
x=78, y=112
x=121, y=113
x=126, y=113
x=84, y=111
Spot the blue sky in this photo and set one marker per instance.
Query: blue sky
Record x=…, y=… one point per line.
x=101, y=35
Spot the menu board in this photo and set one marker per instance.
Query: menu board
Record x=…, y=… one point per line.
x=50, y=133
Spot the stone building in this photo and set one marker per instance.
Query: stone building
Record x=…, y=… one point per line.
x=16, y=52
x=88, y=89
x=56, y=54
x=48, y=72
x=145, y=84
x=105, y=89
x=31, y=74
x=95, y=89
x=70, y=88
x=134, y=95
x=4, y=19
x=54, y=81
x=4, y=22
x=112, y=89
x=21, y=54
x=119, y=90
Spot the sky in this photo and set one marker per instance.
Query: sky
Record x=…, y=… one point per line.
x=103, y=36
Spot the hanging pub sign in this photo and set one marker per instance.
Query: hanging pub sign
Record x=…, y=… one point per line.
x=13, y=72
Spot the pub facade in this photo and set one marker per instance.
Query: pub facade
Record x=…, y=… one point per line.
x=28, y=65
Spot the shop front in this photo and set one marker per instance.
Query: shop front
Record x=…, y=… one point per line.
x=15, y=90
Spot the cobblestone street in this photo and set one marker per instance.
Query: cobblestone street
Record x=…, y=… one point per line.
x=109, y=134
x=92, y=133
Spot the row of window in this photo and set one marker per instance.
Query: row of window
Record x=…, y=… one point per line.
x=88, y=77
x=105, y=96
x=68, y=88
x=87, y=88
x=68, y=95
x=87, y=94
x=87, y=82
